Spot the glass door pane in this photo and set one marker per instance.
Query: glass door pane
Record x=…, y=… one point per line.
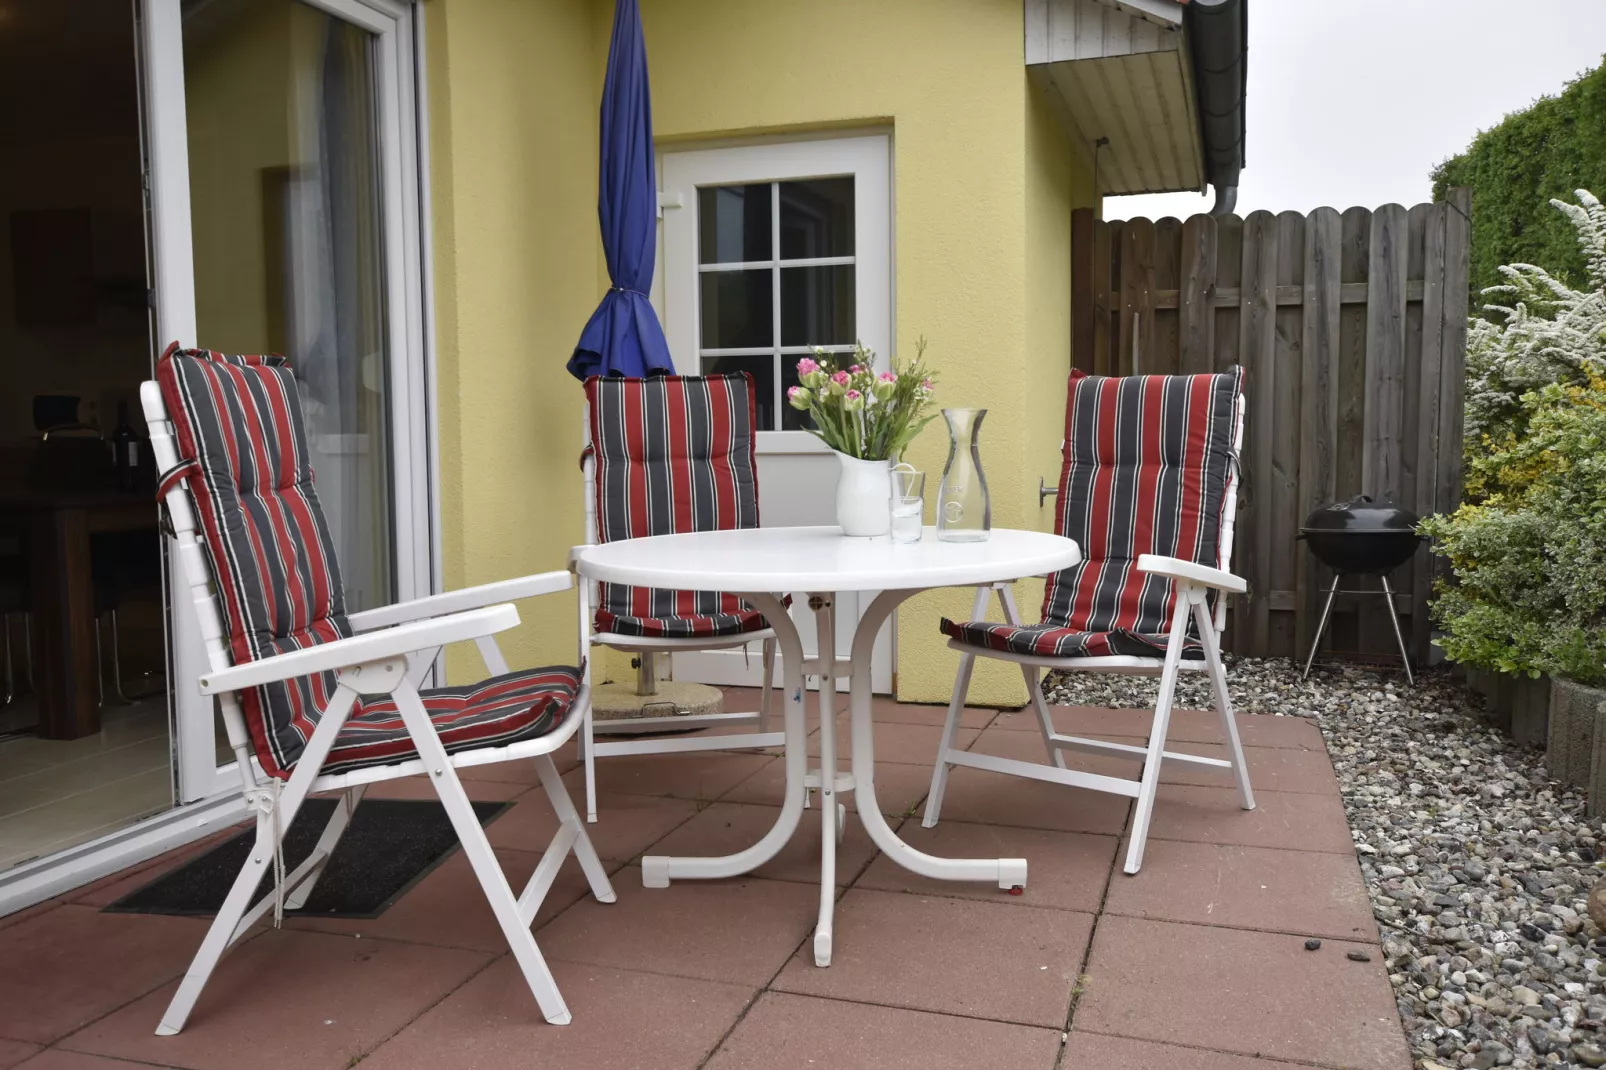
x=286, y=209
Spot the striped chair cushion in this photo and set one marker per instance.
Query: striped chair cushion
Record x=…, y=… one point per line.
x=1148, y=465
x=239, y=427
x=495, y=713
x=673, y=454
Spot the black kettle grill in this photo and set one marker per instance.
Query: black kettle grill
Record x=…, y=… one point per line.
x=1365, y=538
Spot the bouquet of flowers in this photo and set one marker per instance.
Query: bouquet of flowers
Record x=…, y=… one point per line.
x=858, y=411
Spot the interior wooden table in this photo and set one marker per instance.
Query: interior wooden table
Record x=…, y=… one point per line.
x=59, y=525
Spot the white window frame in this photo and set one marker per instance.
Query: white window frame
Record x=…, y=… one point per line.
x=867, y=158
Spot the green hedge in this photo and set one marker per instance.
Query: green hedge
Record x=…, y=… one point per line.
x=1550, y=149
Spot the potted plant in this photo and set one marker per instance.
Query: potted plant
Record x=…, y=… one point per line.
x=867, y=418
x=1528, y=547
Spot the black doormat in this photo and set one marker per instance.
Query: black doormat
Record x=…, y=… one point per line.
x=391, y=845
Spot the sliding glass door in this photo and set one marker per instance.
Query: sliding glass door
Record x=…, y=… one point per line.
x=284, y=180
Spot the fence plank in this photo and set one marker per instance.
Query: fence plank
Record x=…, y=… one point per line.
x=1083, y=276
x=1257, y=332
x=1282, y=482
x=1105, y=246
x=1381, y=476
x=1137, y=284
x=1429, y=401
x=1197, y=290
x=1229, y=272
x=1166, y=334
x=1318, y=411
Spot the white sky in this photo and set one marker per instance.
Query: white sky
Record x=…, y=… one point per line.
x=1354, y=102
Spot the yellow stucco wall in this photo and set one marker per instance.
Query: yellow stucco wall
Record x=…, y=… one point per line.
x=984, y=182
x=513, y=91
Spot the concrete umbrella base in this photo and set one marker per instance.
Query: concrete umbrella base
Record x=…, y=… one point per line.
x=617, y=704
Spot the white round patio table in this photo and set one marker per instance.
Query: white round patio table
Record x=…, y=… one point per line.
x=762, y=564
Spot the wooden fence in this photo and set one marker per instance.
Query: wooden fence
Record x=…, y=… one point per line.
x=1352, y=326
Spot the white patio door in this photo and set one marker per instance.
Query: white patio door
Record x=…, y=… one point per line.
x=284, y=191
x=768, y=250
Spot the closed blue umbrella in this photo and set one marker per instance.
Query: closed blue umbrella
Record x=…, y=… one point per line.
x=623, y=336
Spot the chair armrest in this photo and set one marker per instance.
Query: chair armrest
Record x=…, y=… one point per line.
x=436, y=605
x=359, y=649
x=1189, y=572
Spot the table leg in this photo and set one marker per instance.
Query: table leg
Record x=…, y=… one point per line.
x=658, y=870
x=1009, y=873
x=64, y=624
x=825, y=628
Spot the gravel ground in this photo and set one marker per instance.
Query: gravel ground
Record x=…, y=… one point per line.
x=1478, y=865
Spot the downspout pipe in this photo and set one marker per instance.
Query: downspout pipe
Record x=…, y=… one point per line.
x=1218, y=40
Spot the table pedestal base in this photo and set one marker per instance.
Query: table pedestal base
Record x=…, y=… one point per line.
x=658, y=870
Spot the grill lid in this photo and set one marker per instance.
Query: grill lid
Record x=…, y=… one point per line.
x=1360, y=515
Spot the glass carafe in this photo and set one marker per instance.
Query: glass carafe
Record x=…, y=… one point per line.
x=964, y=512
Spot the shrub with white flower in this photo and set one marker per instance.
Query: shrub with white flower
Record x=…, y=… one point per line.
x=859, y=412
x=1544, y=332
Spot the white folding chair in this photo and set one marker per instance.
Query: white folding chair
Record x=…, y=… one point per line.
x=670, y=454
x=316, y=700
x=1148, y=490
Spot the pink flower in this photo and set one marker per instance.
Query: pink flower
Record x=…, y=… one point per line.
x=806, y=366
x=888, y=377
x=926, y=384
x=854, y=395
x=856, y=369
x=840, y=378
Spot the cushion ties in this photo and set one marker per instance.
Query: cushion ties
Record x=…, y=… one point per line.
x=265, y=802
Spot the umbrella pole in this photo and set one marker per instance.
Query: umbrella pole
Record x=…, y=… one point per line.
x=647, y=673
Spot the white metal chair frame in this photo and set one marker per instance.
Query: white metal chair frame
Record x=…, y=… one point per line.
x=390, y=654
x=591, y=748
x=1194, y=582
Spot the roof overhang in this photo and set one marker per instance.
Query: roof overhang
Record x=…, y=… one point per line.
x=1128, y=76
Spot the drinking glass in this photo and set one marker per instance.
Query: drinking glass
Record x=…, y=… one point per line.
x=908, y=503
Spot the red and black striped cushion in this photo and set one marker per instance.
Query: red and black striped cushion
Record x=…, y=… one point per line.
x=495, y=713
x=673, y=454
x=239, y=427
x=1148, y=461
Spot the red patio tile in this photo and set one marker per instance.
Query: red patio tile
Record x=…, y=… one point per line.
x=740, y=930
x=623, y=1020
x=448, y=908
x=13, y=1052
x=1304, y=892
x=784, y=1031
x=289, y=998
x=1279, y=819
x=626, y=825
x=887, y=708
x=952, y=956
x=987, y=798
x=1065, y=870
x=703, y=776
x=1192, y=726
x=1270, y=768
x=81, y=963
x=1090, y=1050
x=725, y=828
x=895, y=742
x=1247, y=992
x=58, y=1059
x=899, y=788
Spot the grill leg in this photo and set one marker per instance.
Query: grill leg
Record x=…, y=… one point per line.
x=1327, y=611
x=1399, y=637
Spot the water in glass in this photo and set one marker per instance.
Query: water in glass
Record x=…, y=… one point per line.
x=964, y=511
x=908, y=503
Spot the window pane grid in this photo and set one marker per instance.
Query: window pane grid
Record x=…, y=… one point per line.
x=818, y=300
